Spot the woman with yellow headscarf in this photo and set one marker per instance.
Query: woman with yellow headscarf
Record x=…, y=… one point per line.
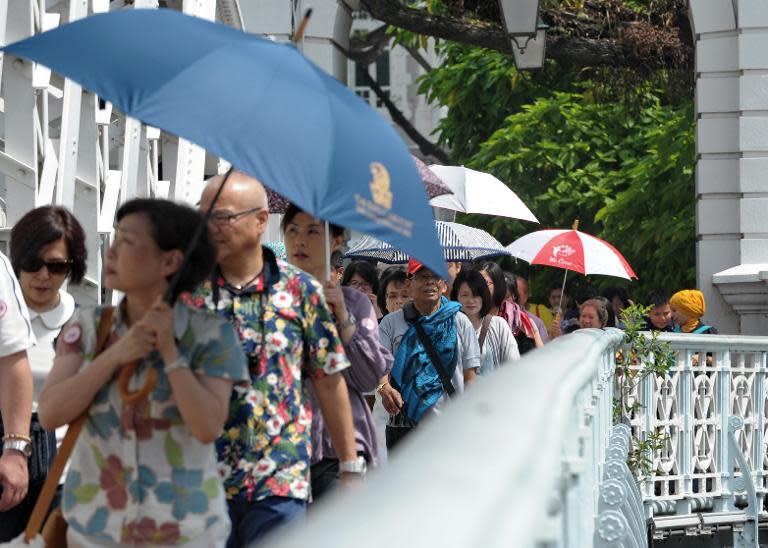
x=688, y=307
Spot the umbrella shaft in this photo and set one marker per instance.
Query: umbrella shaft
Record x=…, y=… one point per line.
x=169, y=293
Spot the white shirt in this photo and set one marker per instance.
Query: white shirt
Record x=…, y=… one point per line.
x=46, y=326
x=15, y=328
x=500, y=346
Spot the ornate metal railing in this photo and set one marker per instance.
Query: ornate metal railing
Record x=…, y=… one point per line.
x=716, y=389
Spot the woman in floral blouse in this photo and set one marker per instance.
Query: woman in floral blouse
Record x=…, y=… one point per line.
x=145, y=473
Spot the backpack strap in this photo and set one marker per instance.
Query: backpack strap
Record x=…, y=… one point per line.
x=412, y=316
x=484, y=330
x=701, y=329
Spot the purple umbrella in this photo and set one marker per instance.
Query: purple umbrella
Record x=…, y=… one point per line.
x=433, y=184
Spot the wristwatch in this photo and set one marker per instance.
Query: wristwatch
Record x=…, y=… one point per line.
x=350, y=321
x=22, y=446
x=357, y=466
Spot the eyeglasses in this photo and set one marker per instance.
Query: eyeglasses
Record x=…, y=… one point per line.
x=365, y=287
x=425, y=277
x=34, y=264
x=227, y=218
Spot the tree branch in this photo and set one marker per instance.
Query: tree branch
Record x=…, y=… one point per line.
x=366, y=48
x=628, y=43
x=425, y=146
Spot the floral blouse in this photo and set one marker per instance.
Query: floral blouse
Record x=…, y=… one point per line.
x=137, y=475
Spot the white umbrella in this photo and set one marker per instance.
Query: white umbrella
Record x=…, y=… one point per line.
x=478, y=192
x=459, y=242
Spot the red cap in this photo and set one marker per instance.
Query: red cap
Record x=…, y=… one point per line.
x=413, y=266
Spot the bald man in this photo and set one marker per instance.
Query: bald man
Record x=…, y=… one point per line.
x=288, y=334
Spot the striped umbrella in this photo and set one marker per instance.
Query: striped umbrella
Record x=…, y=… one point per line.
x=460, y=243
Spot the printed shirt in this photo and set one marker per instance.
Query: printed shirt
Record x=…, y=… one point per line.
x=289, y=336
x=137, y=475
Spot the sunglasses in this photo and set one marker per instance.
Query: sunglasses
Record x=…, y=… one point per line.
x=33, y=264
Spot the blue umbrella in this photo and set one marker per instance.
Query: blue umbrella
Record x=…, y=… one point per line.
x=258, y=104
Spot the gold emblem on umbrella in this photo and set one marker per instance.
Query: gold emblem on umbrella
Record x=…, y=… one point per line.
x=382, y=196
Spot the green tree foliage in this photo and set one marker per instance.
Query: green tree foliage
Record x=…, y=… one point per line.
x=620, y=160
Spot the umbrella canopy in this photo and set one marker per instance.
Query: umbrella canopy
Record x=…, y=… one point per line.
x=459, y=243
x=478, y=192
x=432, y=185
x=258, y=104
x=571, y=250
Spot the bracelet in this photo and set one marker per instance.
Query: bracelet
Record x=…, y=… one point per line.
x=350, y=321
x=17, y=437
x=179, y=363
x=382, y=385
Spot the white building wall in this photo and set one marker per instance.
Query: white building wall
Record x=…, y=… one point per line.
x=732, y=146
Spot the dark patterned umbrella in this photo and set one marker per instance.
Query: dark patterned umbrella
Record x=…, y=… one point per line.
x=432, y=184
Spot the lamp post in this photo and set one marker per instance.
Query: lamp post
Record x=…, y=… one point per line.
x=527, y=33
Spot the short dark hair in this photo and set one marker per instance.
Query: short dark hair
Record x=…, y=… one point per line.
x=45, y=225
x=619, y=292
x=366, y=271
x=494, y=271
x=657, y=298
x=477, y=286
x=392, y=274
x=294, y=210
x=172, y=226
x=511, y=280
x=584, y=293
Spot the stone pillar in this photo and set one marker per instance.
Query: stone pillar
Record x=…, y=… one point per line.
x=732, y=149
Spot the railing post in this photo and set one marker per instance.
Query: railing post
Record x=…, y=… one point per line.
x=685, y=400
x=758, y=449
x=723, y=367
x=648, y=393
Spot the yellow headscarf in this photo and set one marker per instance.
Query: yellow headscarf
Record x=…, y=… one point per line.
x=691, y=303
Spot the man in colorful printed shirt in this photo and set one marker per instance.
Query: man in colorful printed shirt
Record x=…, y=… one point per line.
x=288, y=334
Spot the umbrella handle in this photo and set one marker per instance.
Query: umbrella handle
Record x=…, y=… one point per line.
x=128, y=396
x=299, y=34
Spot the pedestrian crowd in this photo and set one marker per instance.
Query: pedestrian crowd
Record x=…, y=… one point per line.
x=229, y=390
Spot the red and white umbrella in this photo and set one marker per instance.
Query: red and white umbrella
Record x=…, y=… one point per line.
x=571, y=250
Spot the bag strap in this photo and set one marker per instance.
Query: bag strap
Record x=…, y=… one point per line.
x=67, y=445
x=484, y=330
x=701, y=329
x=412, y=315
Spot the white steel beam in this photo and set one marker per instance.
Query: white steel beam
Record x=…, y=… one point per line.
x=190, y=158
x=19, y=116
x=70, y=126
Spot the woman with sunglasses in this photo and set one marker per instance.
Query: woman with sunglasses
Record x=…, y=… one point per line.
x=47, y=249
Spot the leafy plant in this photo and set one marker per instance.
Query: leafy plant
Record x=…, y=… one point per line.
x=643, y=355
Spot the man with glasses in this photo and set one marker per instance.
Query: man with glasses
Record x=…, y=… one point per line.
x=436, y=354
x=289, y=337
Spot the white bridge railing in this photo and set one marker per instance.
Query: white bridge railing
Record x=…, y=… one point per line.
x=514, y=462
x=530, y=456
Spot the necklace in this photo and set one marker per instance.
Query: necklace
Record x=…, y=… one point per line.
x=240, y=287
